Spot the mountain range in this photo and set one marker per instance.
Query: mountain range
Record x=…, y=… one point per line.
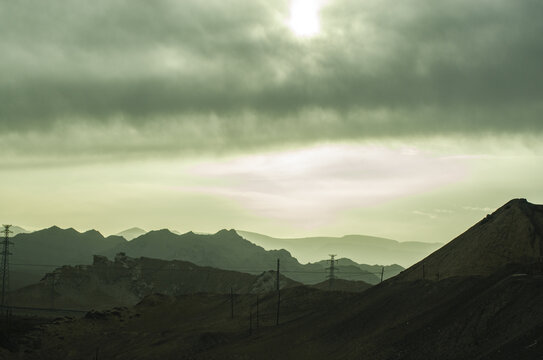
x=37, y=253
x=485, y=305
x=360, y=248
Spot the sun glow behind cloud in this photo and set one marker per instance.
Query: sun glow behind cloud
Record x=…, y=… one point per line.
x=304, y=17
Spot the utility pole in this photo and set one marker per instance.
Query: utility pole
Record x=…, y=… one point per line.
x=257, y=312
x=53, y=275
x=278, y=295
x=277, y=279
x=382, y=273
x=423, y=272
x=332, y=270
x=5, y=267
x=250, y=321
x=231, y=303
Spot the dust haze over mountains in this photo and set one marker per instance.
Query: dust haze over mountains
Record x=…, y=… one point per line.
x=193, y=116
x=484, y=303
x=223, y=250
x=291, y=123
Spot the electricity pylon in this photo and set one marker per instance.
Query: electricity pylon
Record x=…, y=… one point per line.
x=331, y=270
x=5, y=265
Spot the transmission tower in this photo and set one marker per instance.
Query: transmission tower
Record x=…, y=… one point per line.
x=332, y=270
x=5, y=265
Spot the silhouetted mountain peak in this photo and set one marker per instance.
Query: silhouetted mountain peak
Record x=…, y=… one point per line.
x=512, y=234
x=230, y=232
x=56, y=231
x=132, y=233
x=162, y=234
x=93, y=233
x=135, y=229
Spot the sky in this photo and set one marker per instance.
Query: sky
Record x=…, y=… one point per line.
x=408, y=120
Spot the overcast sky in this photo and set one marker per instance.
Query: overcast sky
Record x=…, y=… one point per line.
x=409, y=120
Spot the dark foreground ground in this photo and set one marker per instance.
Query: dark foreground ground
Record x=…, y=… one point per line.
x=497, y=317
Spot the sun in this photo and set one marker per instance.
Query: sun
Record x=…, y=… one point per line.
x=304, y=17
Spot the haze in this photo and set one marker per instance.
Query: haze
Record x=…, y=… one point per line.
x=406, y=120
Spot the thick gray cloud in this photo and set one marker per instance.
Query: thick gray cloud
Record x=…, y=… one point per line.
x=231, y=72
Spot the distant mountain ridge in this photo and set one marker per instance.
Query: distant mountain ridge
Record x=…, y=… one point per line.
x=228, y=250
x=361, y=248
x=17, y=230
x=224, y=250
x=53, y=246
x=132, y=233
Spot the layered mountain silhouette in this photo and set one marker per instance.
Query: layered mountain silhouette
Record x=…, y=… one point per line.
x=17, y=230
x=37, y=253
x=512, y=234
x=54, y=246
x=485, y=305
x=228, y=250
x=131, y=233
x=361, y=248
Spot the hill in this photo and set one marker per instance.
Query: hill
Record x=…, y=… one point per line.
x=495, y=318
x=512, y=234
x=228, y=250
x=126, y=281
x=132, y=233
x=17, y=230
x=342, y=285
x=488, y=311
x=360, y=248
x=54, y=246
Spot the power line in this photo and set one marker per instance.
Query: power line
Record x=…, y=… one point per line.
x=323, y=271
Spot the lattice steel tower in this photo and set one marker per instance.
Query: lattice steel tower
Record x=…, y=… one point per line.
x=332, y=270
x=5, y=265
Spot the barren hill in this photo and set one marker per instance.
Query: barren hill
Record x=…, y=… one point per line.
x=460, y=318
x=512, y=234
x=125, y=281
x=486, y=306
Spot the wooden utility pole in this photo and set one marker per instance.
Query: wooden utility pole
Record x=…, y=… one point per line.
x=257, y=312
x=250, y=322
x=53, y=275
x=278, y=296
x=423, y=272
x=231, y=303
x=277, y=278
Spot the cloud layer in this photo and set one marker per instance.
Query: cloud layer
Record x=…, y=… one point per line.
x=219, y=75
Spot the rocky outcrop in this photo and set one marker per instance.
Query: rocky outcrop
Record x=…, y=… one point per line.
x=125, y=281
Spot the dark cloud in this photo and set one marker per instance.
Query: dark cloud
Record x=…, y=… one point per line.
x=233, y=71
